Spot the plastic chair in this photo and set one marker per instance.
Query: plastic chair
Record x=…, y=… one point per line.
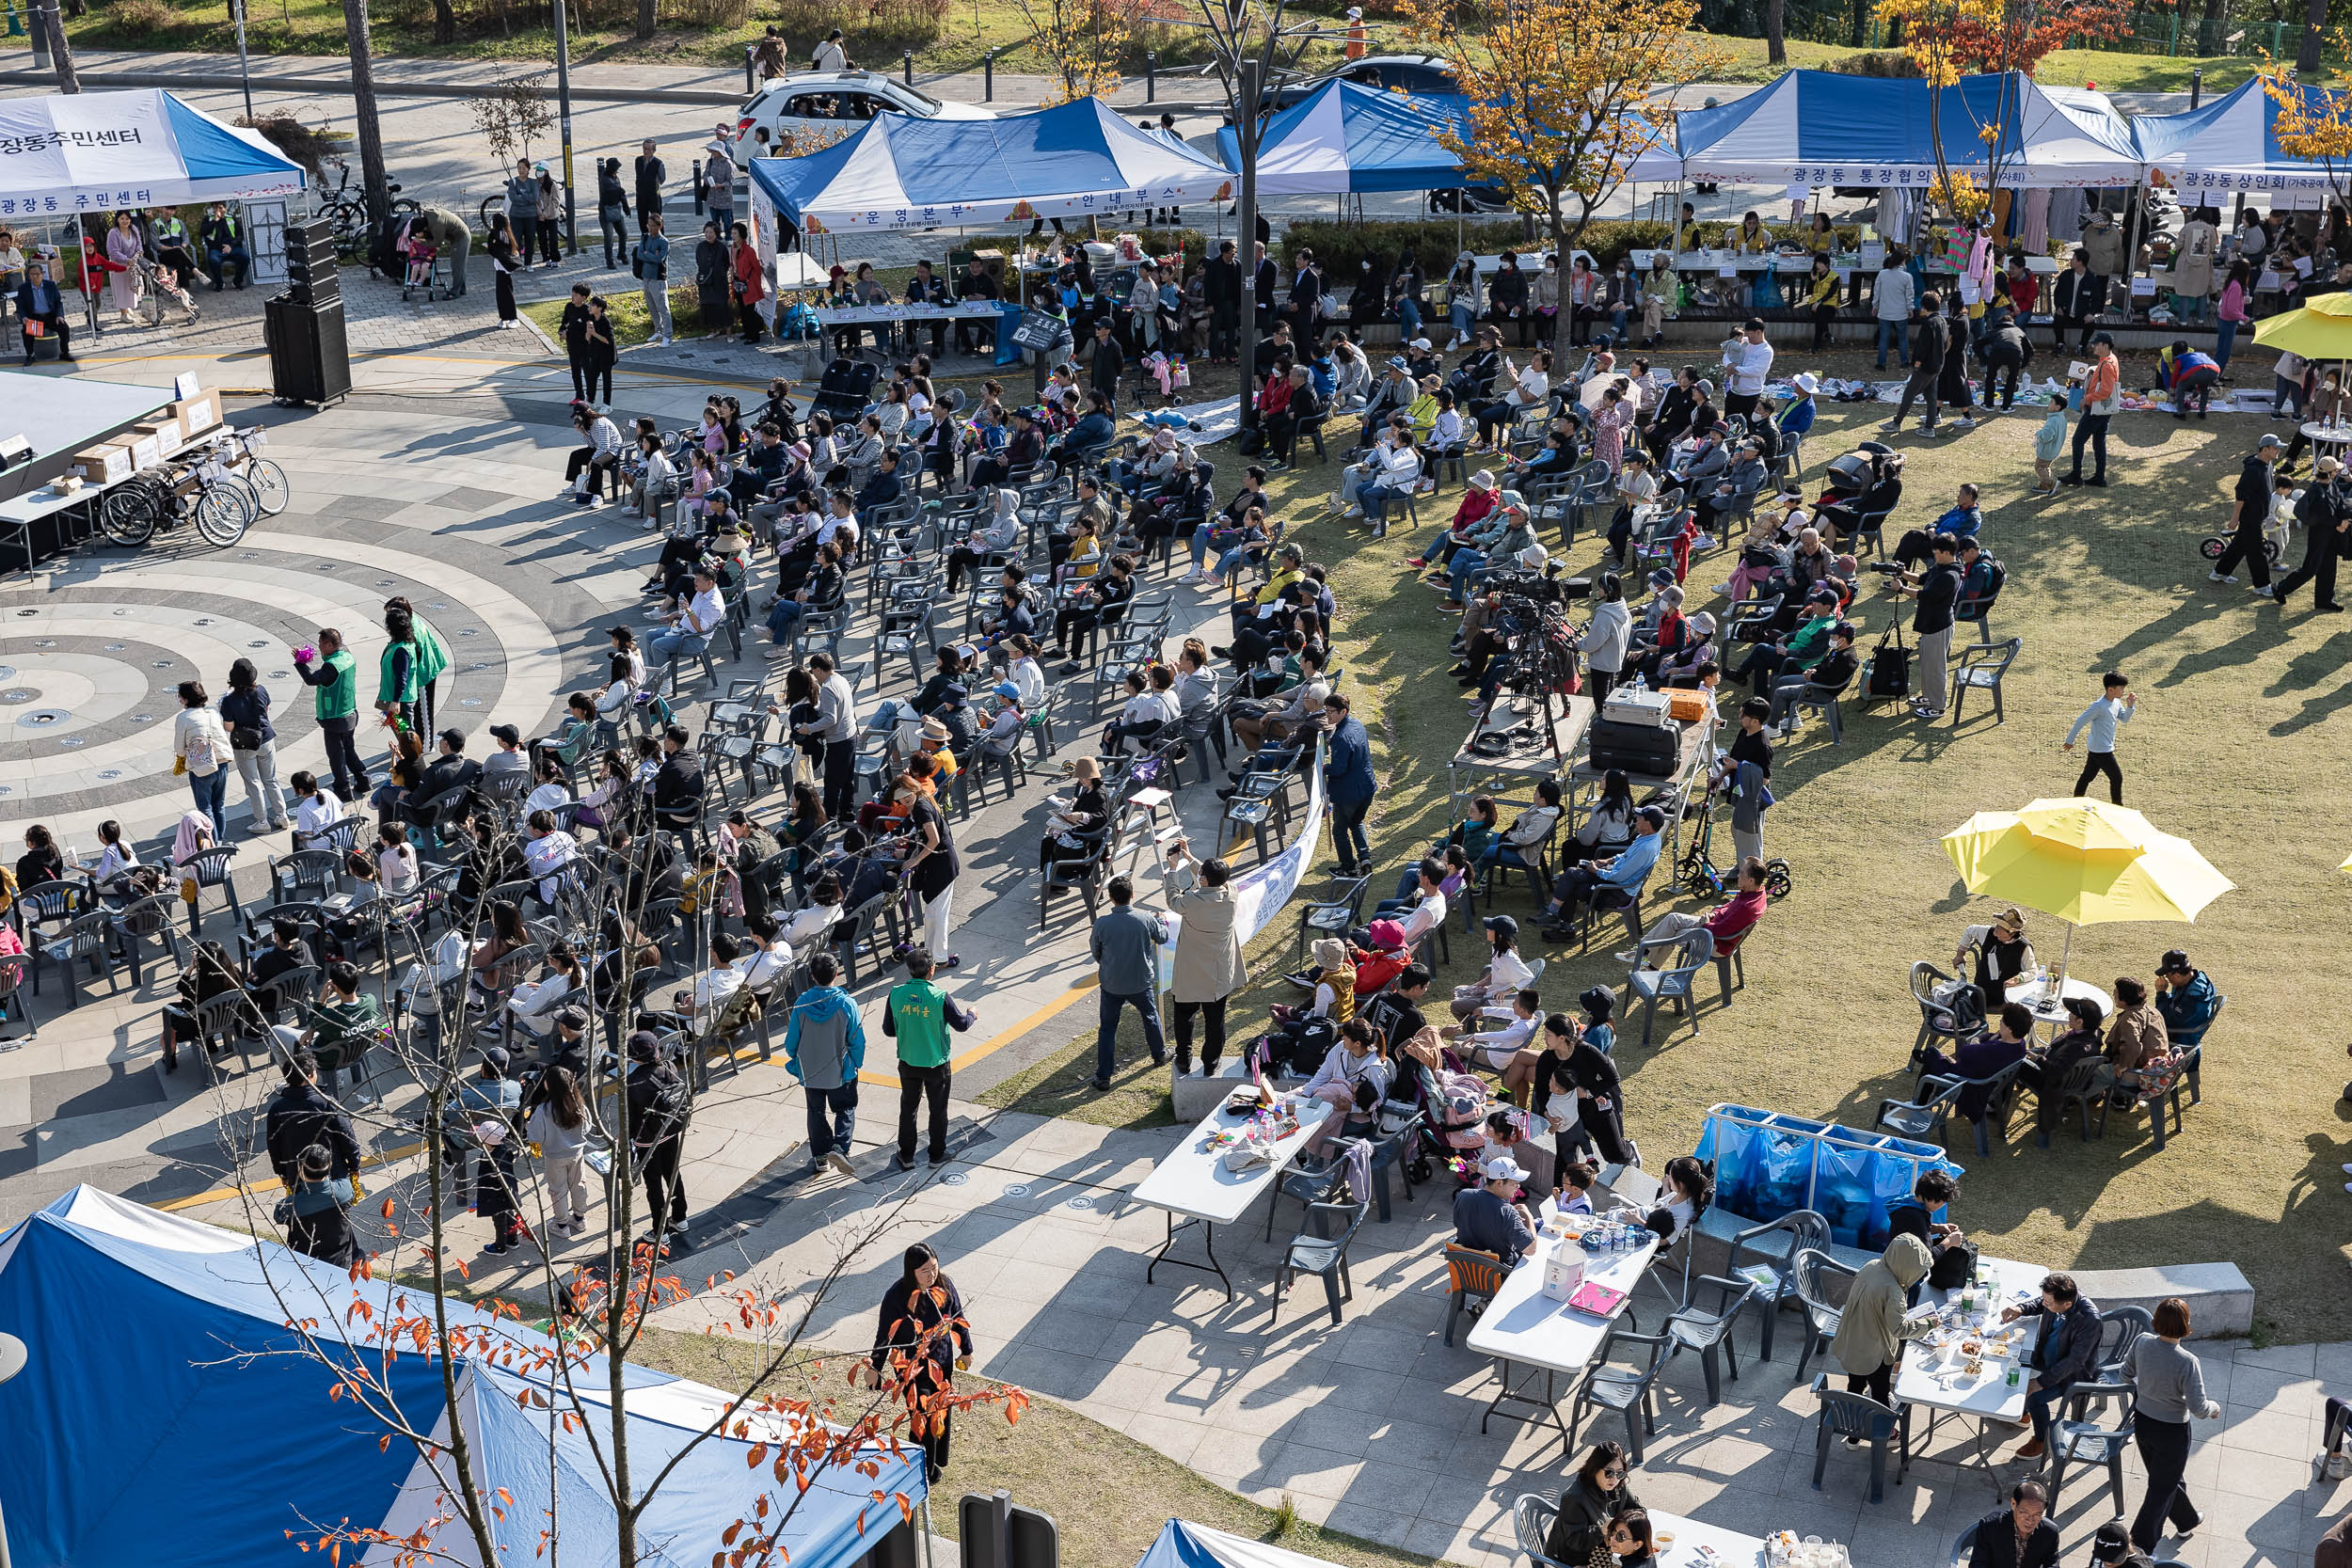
x=1325, y=1258
x=1338, y=912
x=2075, y=1441
x=88, y=940
x=1776, y=1245
x=307, y=873
x=1863, y=1420
x=1924, y=1117
x=1632, y=1395
x=1531, y=1527
x=1470, y=1275
x=1653, y=986
x=1821, y=700
x=2079, y=1089
x=209, y=868
x=1393, y=1153
x=14, y=1001
x=1808, y=1274
x=1979, y=668
x=1708, y=1334
x=1085, y=874
x=1937, y=1021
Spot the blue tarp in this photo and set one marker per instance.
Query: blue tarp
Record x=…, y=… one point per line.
x=166, y=1416
x=1182, y=1543
x=902, y=172
x=1767, y=1164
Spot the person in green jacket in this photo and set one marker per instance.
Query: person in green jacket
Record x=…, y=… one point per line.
x=918, y=1015
x=432, y=659
x=334, y=682
x=399, y=692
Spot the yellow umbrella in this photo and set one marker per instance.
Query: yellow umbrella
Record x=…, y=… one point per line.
x=2319, y=329
x=2085, y=861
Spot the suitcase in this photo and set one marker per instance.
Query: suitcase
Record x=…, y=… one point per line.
x=1636, y=749
x=1687, y=704
x=1638, y=706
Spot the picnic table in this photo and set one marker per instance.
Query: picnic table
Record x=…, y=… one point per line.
x=1985, y=1397
x=1194, y=1185
x=1685, y=1542
x=1524, y=1328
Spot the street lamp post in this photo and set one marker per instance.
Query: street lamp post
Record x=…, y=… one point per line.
x=563, y=119
x=244, y=75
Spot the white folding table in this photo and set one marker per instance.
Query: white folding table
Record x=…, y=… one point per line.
x=1987, y=1397
x=1699, y=1545
x=1194, y=1186
x=1524, y=1328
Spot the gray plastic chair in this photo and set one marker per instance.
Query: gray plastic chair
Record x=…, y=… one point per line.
x=1776, y=1245
x=1708, y=1334
x=1632, y=1395
x=1652, y=986
x=1324, y=1256
x=1531, y=1526
x=1809, y=1274
x=1864, y=1419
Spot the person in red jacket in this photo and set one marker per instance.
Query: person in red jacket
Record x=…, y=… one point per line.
x=750, y=284
x=1727, y=922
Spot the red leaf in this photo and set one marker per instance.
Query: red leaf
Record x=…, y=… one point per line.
x=388, y=1208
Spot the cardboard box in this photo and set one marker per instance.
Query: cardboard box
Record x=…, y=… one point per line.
x=104, y=464
x=167, y=435
x=197, y=414
x=146, y=450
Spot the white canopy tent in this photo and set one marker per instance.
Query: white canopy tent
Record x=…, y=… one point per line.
x=96, y=151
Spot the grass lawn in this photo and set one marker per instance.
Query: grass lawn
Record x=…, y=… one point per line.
x=1108, y=1495
x=2240, y=737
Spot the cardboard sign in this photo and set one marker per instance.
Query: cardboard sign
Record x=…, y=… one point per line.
x=1039, y=331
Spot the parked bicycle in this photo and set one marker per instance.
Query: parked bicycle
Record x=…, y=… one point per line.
x=345, y=206
x=220, y=484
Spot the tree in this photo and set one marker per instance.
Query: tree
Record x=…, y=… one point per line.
x=373, y=181
x=2307, y=53
x=60, y=52
x=646, y=19
x=1775, y=32
x=2315, y=119
x=1085, y=40
x=792, y=1410
x=444, y=22
x=510, y=116
x=1562, y=96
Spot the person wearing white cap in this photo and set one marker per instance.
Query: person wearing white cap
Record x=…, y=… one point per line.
x=1795, y=420
x=1355, y=39
x=1490, y=1217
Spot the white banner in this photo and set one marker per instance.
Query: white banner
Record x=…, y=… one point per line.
x=118, y=142
x=1259, y=894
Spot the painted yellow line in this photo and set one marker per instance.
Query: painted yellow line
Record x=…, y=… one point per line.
x=271, y=1184
x=1001, y=1038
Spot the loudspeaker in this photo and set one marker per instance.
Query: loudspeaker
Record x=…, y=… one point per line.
x=311, y=278
x=309, y=361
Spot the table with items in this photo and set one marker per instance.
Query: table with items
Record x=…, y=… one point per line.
x=1556, y=1308
x=1965, y=1362
x=1222, y=1166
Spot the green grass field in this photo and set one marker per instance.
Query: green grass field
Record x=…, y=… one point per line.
x=2238, y=746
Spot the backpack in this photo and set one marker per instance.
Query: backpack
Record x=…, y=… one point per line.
x=665, y=1119
x=1890, y=667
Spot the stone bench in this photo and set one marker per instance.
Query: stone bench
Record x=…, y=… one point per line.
x=2220, y=1301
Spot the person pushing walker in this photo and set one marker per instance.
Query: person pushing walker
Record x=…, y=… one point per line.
x=2115, y=706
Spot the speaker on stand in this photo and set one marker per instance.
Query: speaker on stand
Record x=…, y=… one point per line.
x=310, y=359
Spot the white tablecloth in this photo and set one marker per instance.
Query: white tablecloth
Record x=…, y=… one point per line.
x=1194, y=1181
x=2034, y=994
x=1526, y=1327
x=1988, y=1393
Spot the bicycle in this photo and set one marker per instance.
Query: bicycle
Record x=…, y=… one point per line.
x=191, y=486
x=347, y=208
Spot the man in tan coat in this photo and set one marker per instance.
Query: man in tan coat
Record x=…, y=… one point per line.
x=1208, y=967
x=1872, y=1331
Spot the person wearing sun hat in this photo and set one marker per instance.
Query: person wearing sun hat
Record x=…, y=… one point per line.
x=1479, y=501
x=1795, y=419
x=1490, y=1217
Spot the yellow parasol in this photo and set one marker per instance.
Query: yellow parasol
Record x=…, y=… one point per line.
x=2319, y=329
x=2085, y=861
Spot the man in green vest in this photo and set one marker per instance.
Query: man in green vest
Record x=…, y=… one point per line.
x=918, y=1016
x=334, y=681
x=432, y=659
x=399, y=692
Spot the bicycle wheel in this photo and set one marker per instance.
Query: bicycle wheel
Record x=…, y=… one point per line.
x=491, y=204
x=127, y=515
x=223, y=512
x=268, y=480
x=404, y=205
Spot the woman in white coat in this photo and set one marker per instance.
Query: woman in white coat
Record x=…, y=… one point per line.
x=1604, y=640
x=1208, y=967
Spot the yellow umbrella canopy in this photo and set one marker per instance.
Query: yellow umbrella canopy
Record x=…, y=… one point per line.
x=2085, y=861
x=2319, y=329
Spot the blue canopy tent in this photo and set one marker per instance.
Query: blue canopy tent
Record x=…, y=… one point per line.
x=94, y=151
x=1182, y=1543
x=1072, y=160
x=2231, y=144
x=1825, y=127
x=166, y=1417
x=1346, y=137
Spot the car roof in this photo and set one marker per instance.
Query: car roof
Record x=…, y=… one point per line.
x=1434, y=62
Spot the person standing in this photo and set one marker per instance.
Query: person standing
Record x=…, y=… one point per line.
x=333, y=678
x=1890, y=305
x=1209, y=963
x=2168, y=1388
x=1348, y=783
x=2115, y=706
x=2325, y=513
x=718, y=180
x=319, y=1205
x=2248, y=511
x=253, y=742
x=933, y=866
x=833, y=727
x=650, y=264
x=830, y=54
x=573, y=326
x=1224, y=299
x=522, y=208
x=612, y=212
x=559, y=1125
x=2099, y=404
x=922, y=1340
x=1871, y=1330
x=750, y=283
x=918, y=1015
x=1748, y=366
x=1125, y=944
x=504, y=261
x=714, y=276
x=1931, y=341
x=1938, y=592
x=650, y=173
x=202, y=749
x=824, y=1045
x=658, y=1105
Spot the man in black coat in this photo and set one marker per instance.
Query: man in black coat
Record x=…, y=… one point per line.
x=1931, y=341
x=650, y=174
x=300, y=1116
x=1223, y=294
x=2250, y=510
x=2020, y=1535
x=2325, y=513
x=677, y=787
x=2006, y=351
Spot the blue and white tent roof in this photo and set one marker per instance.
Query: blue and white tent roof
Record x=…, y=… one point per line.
x=1825, y=128
x=1182, y=1543
x=901, y=172
x=93, y=152
x=166, y=1417
x=2231, y=144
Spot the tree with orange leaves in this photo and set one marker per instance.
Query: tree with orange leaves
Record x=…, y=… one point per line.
x=1562, y=96
x=2315, y=119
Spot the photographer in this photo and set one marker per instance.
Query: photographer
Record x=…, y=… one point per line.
x=1938, y=592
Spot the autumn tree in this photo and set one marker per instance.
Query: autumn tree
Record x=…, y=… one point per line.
x=1562, y=96
x=800, y=1412
x=1085, y=40
x=2315, y=119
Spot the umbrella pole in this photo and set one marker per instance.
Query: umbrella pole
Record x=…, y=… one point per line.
x=2065, y=954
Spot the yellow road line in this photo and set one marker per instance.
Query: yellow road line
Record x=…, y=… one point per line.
x=1001, y=1038
x=271, y=1183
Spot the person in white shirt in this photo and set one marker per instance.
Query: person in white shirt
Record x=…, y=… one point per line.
x=1530, y=388
x=655, y=474
x=692, y=629
x=551, y=791
x=546, y=853
x=1747, y=365
x=1502, y=1044
x=1028, y=677
x=824, y=907
x=1391, y=470
x=830, y=56
x=1506, y=974
x=698, y=1004
x=117, y=859
x=535, y=1003
x=1351, y=1067
x=396, y=868
x=589, y=463
x=1426, y=915
x=770, y=957
x=316, y=811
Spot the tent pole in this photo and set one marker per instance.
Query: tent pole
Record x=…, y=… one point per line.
x=926, y=1528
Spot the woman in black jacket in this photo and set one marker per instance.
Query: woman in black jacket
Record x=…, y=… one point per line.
x=713, y=269
x=1589, y=1502
x=253, y=740
x=922, y=1338
x=612, y=212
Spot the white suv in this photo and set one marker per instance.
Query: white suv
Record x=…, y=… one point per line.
x=822, y=105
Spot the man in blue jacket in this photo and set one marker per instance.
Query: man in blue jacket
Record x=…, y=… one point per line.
x=37, y=300
x=1961, y=522
x=1348, y=783
x=824, y=1046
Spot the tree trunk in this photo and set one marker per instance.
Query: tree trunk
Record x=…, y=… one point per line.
x=2209, y=26
x=1775, y=39
x=379, y=196
x=60, y=52
x=75, y=8
x=444, y=22
x=645, y=18
x=2307, y=53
